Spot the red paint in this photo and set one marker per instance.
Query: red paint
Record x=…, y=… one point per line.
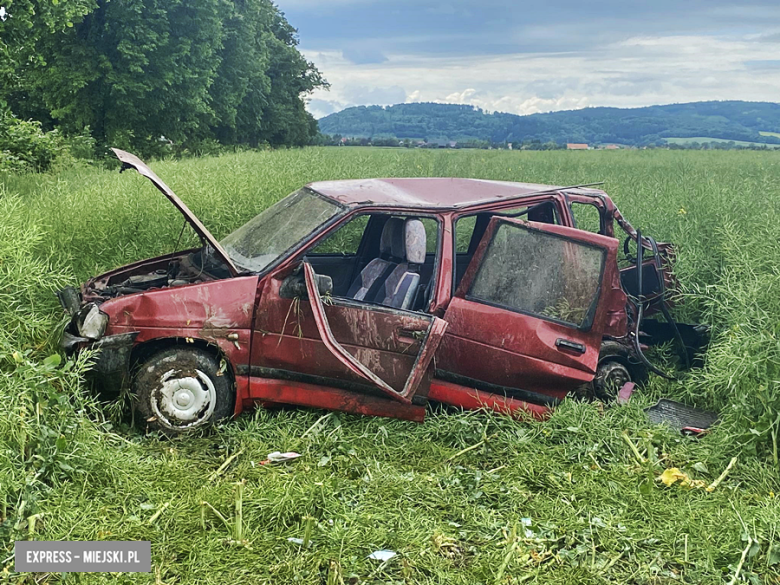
x=282, y=392
x=508, y=348
x=471, y=399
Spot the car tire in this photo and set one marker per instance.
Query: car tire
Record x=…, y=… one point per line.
x=181, y=390
x=610, y=377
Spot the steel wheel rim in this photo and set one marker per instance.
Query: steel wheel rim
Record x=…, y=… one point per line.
x=184, y=401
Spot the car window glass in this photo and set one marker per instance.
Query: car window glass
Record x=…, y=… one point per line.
x=587, y=217
x=540, y=274
x=464, y=228
x=345, y=240
x=431, y=234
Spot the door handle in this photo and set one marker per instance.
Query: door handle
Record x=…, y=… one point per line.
x=561, y=343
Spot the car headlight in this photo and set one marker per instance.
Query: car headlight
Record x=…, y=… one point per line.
x=91, y=322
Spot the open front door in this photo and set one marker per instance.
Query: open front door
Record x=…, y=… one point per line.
x=341, y=354
x=528, y=317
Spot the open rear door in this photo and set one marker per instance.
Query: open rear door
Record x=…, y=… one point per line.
x=528, y=317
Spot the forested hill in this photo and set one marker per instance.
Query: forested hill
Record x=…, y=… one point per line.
x=728, y=120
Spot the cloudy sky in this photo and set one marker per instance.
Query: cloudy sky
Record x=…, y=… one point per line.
x=527, y=57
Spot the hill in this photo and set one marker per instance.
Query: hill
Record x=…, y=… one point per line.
x=727, y=120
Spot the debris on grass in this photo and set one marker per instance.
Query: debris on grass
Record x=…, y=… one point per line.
x=625, y=392
x=673, y=475
x=383, y=555
x=278, y=457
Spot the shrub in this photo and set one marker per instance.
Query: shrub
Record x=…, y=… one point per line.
x=25, y=146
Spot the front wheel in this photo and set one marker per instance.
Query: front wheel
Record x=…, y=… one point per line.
x=181, y=389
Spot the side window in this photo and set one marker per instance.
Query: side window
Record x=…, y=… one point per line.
x=471, y=226
x=345, y=240
x=464, y=229
x=540, y=274
x=587, y=217
x=431, y=233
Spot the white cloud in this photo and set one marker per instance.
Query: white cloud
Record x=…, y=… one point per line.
x=638, y=71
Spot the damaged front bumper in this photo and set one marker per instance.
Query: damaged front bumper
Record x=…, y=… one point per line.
x=110, y=372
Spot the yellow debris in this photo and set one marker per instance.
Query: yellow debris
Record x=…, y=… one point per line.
x=673, y=475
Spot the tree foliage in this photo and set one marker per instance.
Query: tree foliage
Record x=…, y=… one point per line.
x=639, y=126
x=144, y=74
x=26, y=22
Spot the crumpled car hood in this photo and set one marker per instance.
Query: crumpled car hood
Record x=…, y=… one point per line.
x=130, y=161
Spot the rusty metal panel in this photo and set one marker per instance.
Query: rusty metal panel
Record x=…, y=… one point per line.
x=213, y=308
x=359, y=332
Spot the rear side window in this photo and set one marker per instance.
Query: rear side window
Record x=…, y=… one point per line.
x=587, y=217
x=540, y=274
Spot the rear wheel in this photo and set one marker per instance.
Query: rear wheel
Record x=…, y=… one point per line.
x=179, y=390
x=610, y=377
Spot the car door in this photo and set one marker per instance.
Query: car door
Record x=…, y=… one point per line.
x=529, y=313
x=340, y=354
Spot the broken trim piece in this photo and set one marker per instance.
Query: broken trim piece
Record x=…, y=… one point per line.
x=429, y=346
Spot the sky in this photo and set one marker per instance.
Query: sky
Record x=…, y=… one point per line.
x=528, y=57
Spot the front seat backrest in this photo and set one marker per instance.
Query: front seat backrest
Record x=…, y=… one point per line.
x=400, y=287
x=393, y=278
x=366, y=286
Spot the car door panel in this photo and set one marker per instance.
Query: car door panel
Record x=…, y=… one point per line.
x=515, y=346
x=388, y=342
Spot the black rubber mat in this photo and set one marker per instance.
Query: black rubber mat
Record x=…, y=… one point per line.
x=681, y=417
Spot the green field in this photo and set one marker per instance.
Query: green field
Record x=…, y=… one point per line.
x=703, y=139
x=563, y=501
x=775, y=134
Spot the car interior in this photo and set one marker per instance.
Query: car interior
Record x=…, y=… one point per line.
x=381, y=258
x=470, y=229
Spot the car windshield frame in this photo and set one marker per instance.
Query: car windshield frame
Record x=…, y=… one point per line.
x=266, y=222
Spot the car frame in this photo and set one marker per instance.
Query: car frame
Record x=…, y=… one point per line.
x=524, y=311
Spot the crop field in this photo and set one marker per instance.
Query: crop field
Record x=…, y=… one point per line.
x=465, y=498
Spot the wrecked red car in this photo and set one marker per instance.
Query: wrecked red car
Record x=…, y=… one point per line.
x=377, y=296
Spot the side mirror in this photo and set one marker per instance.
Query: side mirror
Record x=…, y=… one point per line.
x=294, y=286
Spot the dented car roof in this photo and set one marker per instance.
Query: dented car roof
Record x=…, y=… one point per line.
x=445, y=193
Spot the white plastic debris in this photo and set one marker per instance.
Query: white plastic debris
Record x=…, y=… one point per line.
x=277, y=457
x=3, y=13
x=295, y=540
x=382, y=555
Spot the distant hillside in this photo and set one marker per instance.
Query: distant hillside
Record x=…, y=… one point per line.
x=731, y=120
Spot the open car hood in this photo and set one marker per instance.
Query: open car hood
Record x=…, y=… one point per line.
x=130, y=161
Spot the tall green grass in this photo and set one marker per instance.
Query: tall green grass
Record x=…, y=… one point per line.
x=565, y=501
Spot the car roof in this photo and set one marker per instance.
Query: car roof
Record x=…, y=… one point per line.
x=436, y=193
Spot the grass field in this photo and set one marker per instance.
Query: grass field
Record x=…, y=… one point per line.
x=463, y=498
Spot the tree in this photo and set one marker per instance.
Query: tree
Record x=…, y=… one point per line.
x=142, y=73
x=26, y=22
